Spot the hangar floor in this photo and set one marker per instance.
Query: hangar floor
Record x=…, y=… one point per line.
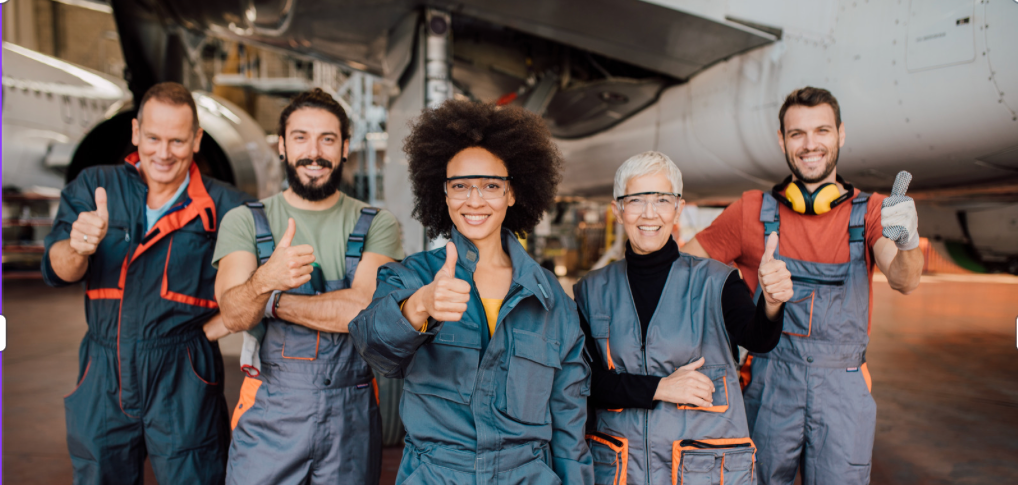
x=944, y=364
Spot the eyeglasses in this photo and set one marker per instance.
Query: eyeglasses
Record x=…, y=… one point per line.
x=662, y=202
x=488, y=186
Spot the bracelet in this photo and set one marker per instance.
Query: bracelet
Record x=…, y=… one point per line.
x=270, y=306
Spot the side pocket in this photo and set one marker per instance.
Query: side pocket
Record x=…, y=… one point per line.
x=80, y=381
x=719, y=376
x=611, y=457
x=799, y=312
x=194, y=370
x=731, y=461
x=531, y=374
x=248, y=393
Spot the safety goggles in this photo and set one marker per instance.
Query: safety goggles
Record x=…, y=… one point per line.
x=488, y=186
x=662, y=202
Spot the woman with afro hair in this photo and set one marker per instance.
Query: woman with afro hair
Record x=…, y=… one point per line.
x=487, y=341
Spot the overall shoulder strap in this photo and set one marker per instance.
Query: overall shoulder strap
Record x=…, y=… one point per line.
x=355, y=243
x=263, y=232
x=769, y=214
x=857, y=227
x=857, y=221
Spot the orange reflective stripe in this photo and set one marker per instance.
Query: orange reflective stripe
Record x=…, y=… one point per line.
x=178, y=297
x=201, y=206
x=619, y=410
x=713, y=409
x=866, y=377
x=677, y=450
x=608, y=347
x=248, y=392
x=812, y=296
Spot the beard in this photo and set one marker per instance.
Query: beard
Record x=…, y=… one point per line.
x=313, y=191
x=832, y=162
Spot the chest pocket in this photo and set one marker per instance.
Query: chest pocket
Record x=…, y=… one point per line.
x=531, y=374
x=188, y=276
x=600, y=330
x=446, y=367
x=813, y=308
x=105, y=271
x=718, y=374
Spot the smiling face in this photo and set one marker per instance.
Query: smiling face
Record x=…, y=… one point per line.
x=314, y=152
x=478, y=218
x=650, y=229
x=166, y=141
x=811, y=142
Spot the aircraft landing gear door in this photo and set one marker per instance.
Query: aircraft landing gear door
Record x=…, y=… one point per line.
x=940, y=33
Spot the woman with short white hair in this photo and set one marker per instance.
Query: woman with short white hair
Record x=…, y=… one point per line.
x=662, y=331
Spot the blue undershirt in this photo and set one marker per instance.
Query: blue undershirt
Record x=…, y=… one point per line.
x=152, y=216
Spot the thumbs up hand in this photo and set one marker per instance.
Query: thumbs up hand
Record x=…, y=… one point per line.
x=898, y=215
x=775, y=279
x=446, y=297
x=90, y=227
x=289, y=266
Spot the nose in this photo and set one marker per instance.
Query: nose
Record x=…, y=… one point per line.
x=649, y=211
x=314, y=151
x=163, y=151
x=472, y=200
x=812, y=142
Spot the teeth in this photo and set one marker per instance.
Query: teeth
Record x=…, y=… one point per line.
x=812, y=159
x=475, y=218
x=648, y=228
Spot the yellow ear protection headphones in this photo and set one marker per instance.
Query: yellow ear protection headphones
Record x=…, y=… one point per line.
x=798, y=198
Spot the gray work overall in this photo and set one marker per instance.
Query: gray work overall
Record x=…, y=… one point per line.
x=314, y=417
x=670, y=444
x=808, y=396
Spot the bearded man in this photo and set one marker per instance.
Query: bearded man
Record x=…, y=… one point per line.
x=299, y=266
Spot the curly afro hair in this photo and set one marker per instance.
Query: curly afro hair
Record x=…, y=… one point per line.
x=516, y=136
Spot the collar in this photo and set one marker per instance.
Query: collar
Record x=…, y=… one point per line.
x=526, y=272
x=198, y=204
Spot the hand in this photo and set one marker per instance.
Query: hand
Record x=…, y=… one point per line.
x=215, y=329
x=90, y=227
x=288, y=267
x=687, y=386
x=775, y=279
x=899, y=217
x=446, y=298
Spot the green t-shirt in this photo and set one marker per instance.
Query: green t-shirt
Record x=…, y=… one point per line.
x=326, y=231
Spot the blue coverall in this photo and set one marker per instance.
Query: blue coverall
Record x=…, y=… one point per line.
x=149, y=383
x=505, y=409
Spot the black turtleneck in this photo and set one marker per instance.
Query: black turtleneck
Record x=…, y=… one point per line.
x=746, y=322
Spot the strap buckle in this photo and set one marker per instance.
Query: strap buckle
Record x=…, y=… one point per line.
x=770, y=227
x=355, y=246
x=856, y=233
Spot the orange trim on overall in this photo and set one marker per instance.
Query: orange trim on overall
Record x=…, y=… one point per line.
x=248, y=392
x=318, y=342
x=105, y=294
x=608, y=348
x=191, y=361
x=677, y=450
x=83, y=376
x=713, y=409
x=812, y=296
x=621, y=455
x=374, y=385
x=179, y=297
x=746, y=373
x=866, y=376
x=201, y=206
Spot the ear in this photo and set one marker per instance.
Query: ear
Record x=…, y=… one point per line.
x=841, y=135
x=281, y=145
x=135, y=132
x=511, y=196
x=678, y=210
x=781, y=142
x=616, y=211
x=346, y=148
x=197, y=140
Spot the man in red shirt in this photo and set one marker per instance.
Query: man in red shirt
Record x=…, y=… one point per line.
x=808, y=402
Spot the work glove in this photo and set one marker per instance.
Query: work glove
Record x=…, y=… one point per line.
x=898, y=215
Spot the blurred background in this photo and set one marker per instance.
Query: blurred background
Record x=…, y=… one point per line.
x=927, y=86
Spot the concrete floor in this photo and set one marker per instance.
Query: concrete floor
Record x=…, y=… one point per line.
x=944, y=365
